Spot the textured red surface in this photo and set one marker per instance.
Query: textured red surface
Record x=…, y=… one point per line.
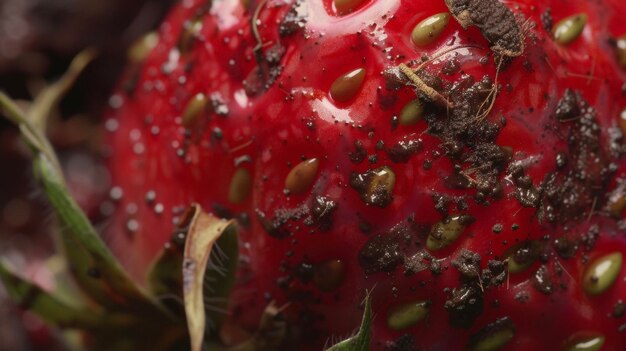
x=272, y=130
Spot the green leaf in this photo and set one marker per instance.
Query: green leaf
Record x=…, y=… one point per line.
x=202, y=254
x=48, y=307
x=360, y=341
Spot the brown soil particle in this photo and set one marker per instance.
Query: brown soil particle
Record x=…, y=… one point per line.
x=496, y=21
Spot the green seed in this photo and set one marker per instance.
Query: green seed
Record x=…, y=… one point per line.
x=348, y=85
x=429, y=29
x=302, y=176
x=495, y=341
x=584, y=341
x=195, y=108
x=444, y=233
x=602, y=273
x=240, y=186
x=408, y=315
x=345, y=7
x=494, y=336
x=570, y=28
x=515, y=267
x=411, y=113
x=522, y=256
x=329, y=275
x=620, y=47
x=142, y=47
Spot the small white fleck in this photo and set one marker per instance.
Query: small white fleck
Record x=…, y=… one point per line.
x=116, y=101
x=116, y=193
x=111, y=125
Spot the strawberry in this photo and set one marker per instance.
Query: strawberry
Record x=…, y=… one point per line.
x=462, y=160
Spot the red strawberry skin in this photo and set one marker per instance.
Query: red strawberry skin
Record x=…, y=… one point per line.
x=159, y=166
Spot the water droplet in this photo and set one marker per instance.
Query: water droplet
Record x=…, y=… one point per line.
x=602, y=273
x=344, y=7
x=302, y=176
x=569, y=29
x=346, y=87
x=116, y=193
x=150, y=196
x=407, y=315
x=240, y=186
x=159, y=208
x=116, y=101
x=132, y=225
x=411, y=113
x=111, y=125
x=429, y=29
x=139, y=148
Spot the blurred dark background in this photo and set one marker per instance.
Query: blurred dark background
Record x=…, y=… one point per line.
x=38, y=39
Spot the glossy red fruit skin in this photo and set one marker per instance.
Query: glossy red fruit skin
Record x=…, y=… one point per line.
x=151, y=153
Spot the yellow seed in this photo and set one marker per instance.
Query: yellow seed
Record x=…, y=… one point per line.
x=569, y=29
x=584, y=341
x=444, y=233
x=620, y=46
x=194, y=109
x=408, y=315
x=411, y=113
x=602, y=273
x=142, y=47
x=240, y=186
x=329, y=275
x=302, y=176
x=345, y=7
x=348, y=85
x=429, y=29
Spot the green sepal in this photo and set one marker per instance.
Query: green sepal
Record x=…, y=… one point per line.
x=49, y=308
x=208, y=271
x=94, y=267
x=165, y=280
x=272, y=333
x=220, y=276
x=360, y=341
